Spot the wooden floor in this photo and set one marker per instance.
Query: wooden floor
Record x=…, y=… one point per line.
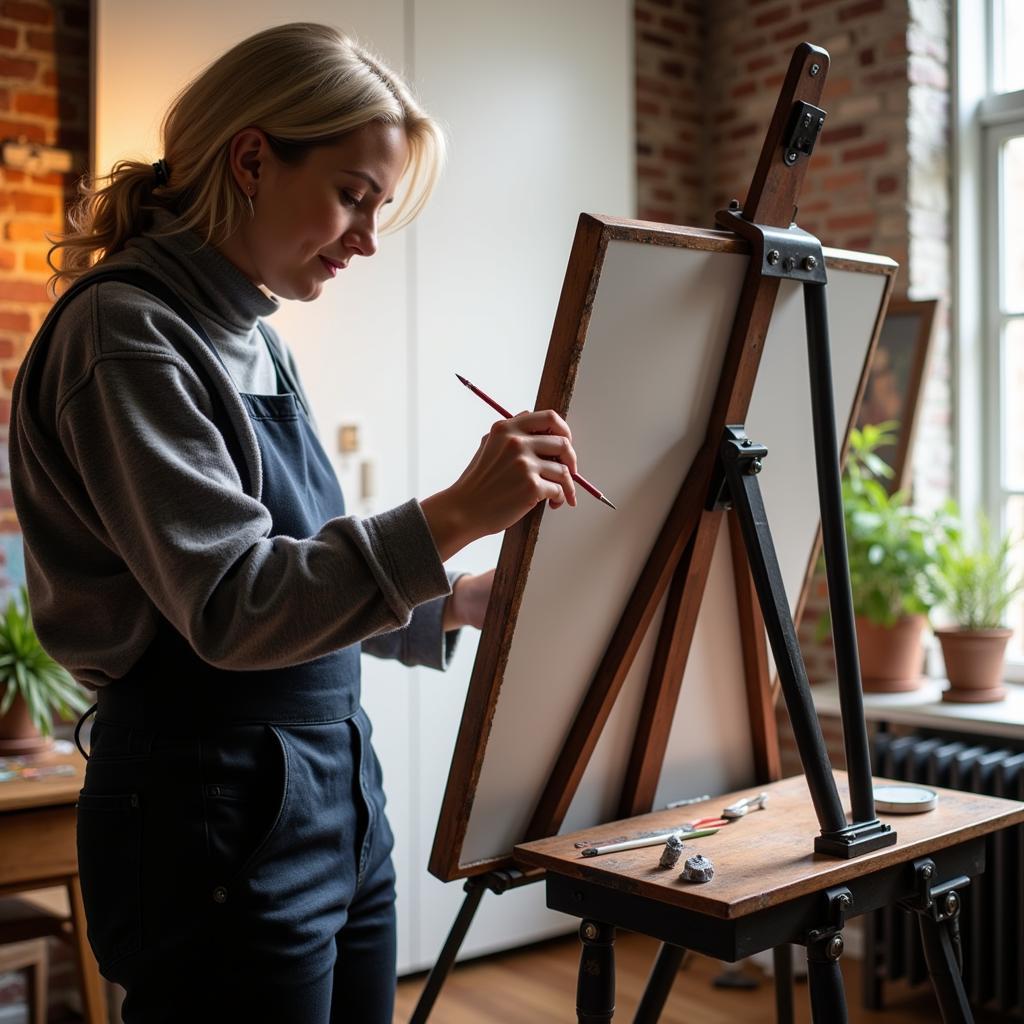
x=537, y=985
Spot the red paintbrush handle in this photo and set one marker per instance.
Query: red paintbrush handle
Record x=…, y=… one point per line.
x=502, y=411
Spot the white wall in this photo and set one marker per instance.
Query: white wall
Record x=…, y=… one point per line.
x=537, y=101
x=538, y=98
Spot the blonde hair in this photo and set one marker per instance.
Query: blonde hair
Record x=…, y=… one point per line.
x=303, y=85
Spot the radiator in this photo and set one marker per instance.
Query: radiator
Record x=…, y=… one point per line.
x=992, y=918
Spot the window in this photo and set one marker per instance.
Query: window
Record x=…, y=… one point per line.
x=1001, y=117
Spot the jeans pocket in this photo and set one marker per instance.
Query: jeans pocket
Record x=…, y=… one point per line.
x=244, y=813
x=109, y=841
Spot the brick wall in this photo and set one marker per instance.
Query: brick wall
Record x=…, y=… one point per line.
x=671, y=83
x=855, y=187
x=707, y=80
x=44, y=98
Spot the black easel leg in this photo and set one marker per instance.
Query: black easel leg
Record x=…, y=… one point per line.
x=825, y=980
x=833, y=531
x=659, y=984
x=740, y=462
x=871, y=979
x=440, y=971
x=595, y=990
x=782, y=957
x=741, y=478
x=941, y=941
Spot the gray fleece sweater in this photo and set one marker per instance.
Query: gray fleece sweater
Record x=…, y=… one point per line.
x=132, y=507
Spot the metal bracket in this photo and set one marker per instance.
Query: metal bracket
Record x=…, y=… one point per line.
x=805, y=122
x=736, y=447
x=856, y=839
x=789, y=253
x=826, y=942
x=941, y=902
x=502, y=880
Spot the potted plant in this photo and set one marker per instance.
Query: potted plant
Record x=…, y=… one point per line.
x=975, y=584
x=891, y=548
x=32, y=685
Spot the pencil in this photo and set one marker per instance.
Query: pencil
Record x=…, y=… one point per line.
x=636, y=844
x=502, y=411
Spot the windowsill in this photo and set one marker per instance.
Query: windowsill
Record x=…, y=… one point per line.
x=925, y=707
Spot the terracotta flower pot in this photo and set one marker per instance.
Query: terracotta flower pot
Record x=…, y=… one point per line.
x=891, y=657
x=18, y=734
x=974, y=663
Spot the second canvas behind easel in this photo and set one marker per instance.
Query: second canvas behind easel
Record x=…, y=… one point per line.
x=634, y=364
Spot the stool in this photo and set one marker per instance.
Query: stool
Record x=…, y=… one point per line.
x=26, y=922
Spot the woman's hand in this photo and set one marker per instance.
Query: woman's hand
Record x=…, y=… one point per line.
x=468, y=602
x=520, y=462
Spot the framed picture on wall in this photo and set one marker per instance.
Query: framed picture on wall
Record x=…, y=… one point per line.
x=893, y=389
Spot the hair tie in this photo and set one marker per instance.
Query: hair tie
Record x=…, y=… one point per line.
x=162, y=172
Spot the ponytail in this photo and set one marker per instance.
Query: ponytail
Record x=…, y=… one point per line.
x=106, y=214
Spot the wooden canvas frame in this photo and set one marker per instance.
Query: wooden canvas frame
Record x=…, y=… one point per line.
x=679, y=558
x=923, y=312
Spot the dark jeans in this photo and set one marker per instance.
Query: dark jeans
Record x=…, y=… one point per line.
x=240, y=873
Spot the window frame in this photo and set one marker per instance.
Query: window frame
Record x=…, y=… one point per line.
x=998, y=117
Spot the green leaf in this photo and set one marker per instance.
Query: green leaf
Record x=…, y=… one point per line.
x=876, y=465
x=38, y=707
x=29, y=670
x=977, y=582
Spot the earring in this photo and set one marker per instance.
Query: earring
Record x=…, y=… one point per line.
x=252, y=209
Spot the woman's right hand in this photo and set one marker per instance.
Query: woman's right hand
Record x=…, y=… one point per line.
x=521, y=461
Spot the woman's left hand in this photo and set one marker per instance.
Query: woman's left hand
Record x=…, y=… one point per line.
x=468, y=601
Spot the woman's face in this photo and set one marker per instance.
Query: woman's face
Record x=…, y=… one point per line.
x=312, y=218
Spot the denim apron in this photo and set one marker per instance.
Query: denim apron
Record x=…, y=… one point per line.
x=231, y=823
